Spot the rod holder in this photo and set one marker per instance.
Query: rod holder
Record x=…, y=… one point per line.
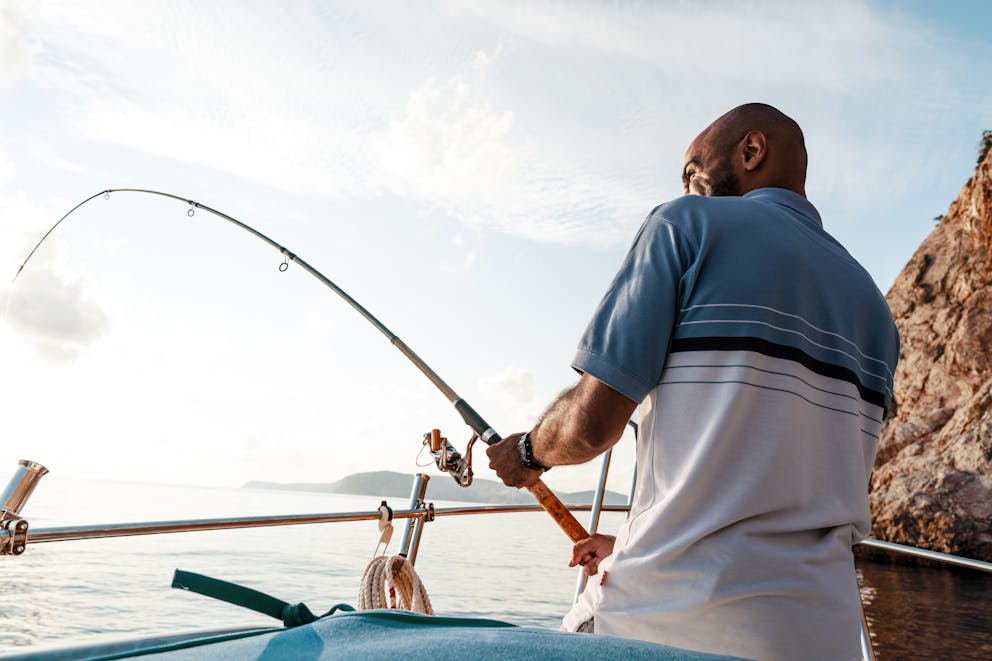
x=415, y=526
x=14, y=529
x=21, y=486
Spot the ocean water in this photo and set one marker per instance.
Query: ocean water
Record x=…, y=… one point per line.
x=927, y=612
x=512, y=567
x=507, y=566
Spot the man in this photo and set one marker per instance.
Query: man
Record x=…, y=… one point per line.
x=762, y=356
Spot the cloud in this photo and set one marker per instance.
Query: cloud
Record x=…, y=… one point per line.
x=559, y=123
x=48, y=157
x=717, y=41
x=55, y=315
x=450, y=144
x=354, y=122
x=51, y=310
x=6, y=170
x=16, y=45
x=455, y=147
x=513, y=384
x=512, y=398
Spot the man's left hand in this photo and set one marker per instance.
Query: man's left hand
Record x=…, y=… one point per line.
x=504, y=458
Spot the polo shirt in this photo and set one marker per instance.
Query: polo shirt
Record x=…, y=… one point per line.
x=762, y=355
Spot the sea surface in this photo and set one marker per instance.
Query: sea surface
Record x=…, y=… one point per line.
x=508, y=566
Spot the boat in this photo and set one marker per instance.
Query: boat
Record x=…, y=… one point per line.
x=345, y=633
x=389, y=628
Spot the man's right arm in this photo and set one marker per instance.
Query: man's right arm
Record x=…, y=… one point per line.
x=585, y=421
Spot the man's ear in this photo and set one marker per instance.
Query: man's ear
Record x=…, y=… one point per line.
x=754, y=149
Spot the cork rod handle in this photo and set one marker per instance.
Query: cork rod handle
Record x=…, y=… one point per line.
x=562, y=516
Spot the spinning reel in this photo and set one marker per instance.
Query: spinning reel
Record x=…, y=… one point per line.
x=450, y=460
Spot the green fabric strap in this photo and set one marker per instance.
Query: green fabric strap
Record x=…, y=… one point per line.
x=292, y=615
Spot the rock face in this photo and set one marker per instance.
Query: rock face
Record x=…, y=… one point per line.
x=932, y=484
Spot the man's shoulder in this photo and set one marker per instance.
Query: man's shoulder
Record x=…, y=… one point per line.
x=689, y=212
x=696, y=206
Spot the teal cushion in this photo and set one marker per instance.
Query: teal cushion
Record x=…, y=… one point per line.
x=392, y=634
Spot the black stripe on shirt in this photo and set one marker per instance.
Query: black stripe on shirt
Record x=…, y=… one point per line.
x=785, y=352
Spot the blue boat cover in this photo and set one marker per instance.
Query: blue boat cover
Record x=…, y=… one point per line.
x=392, y=634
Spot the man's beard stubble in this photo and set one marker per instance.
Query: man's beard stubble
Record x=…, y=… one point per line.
x=724, y=183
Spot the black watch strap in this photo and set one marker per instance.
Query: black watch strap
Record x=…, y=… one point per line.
x=527, y=454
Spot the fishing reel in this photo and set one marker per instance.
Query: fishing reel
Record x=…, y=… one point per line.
x=450, y=460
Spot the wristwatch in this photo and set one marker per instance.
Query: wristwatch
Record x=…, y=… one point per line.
x=527, y=454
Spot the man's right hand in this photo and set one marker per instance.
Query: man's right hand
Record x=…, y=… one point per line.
x=590, y=551
x=504, y=458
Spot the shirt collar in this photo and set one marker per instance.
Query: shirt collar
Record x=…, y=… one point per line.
x=788, y=198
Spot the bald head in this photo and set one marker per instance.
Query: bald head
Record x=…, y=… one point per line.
x=752, y=146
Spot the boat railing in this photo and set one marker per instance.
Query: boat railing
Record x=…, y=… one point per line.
x=418, y=512
x=99, y=531
x=14, y=529
x=15, y=534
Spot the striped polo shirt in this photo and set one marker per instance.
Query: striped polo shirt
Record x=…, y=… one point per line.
x=762, y=355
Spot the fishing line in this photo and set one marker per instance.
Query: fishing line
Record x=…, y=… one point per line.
x=562, y=516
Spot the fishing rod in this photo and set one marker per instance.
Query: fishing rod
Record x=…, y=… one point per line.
x=562, y=516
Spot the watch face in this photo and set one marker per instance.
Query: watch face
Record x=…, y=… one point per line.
x=526, y=453
x=522, y=449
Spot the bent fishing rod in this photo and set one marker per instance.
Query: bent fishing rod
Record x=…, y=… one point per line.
x=562, y=516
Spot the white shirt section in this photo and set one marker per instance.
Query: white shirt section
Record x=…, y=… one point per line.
x=753, y=479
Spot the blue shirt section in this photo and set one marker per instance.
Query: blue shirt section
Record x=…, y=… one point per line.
x=758, y=267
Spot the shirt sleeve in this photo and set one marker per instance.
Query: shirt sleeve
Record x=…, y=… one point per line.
x=627, y=340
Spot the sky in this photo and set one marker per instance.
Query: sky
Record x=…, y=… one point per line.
x=472, y=173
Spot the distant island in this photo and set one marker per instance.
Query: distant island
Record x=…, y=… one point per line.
x=388, y=484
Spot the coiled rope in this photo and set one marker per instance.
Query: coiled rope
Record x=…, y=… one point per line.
x=395, y=576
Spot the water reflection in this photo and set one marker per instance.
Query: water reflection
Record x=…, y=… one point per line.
x=927, y=613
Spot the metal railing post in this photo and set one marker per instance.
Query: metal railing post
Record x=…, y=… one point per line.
x=867, y=649
x=597, y=509
x=597, y=505
x=414, y=526
x=12, y=500
x=633, y=480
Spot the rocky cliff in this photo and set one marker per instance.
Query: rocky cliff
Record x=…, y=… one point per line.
x=932, y=484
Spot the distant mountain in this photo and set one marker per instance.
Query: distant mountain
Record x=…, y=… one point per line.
x=387, y=484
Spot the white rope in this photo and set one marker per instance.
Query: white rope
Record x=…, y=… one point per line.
x=396, y=577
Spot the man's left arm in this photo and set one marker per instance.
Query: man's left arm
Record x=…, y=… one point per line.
x=582, y=423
